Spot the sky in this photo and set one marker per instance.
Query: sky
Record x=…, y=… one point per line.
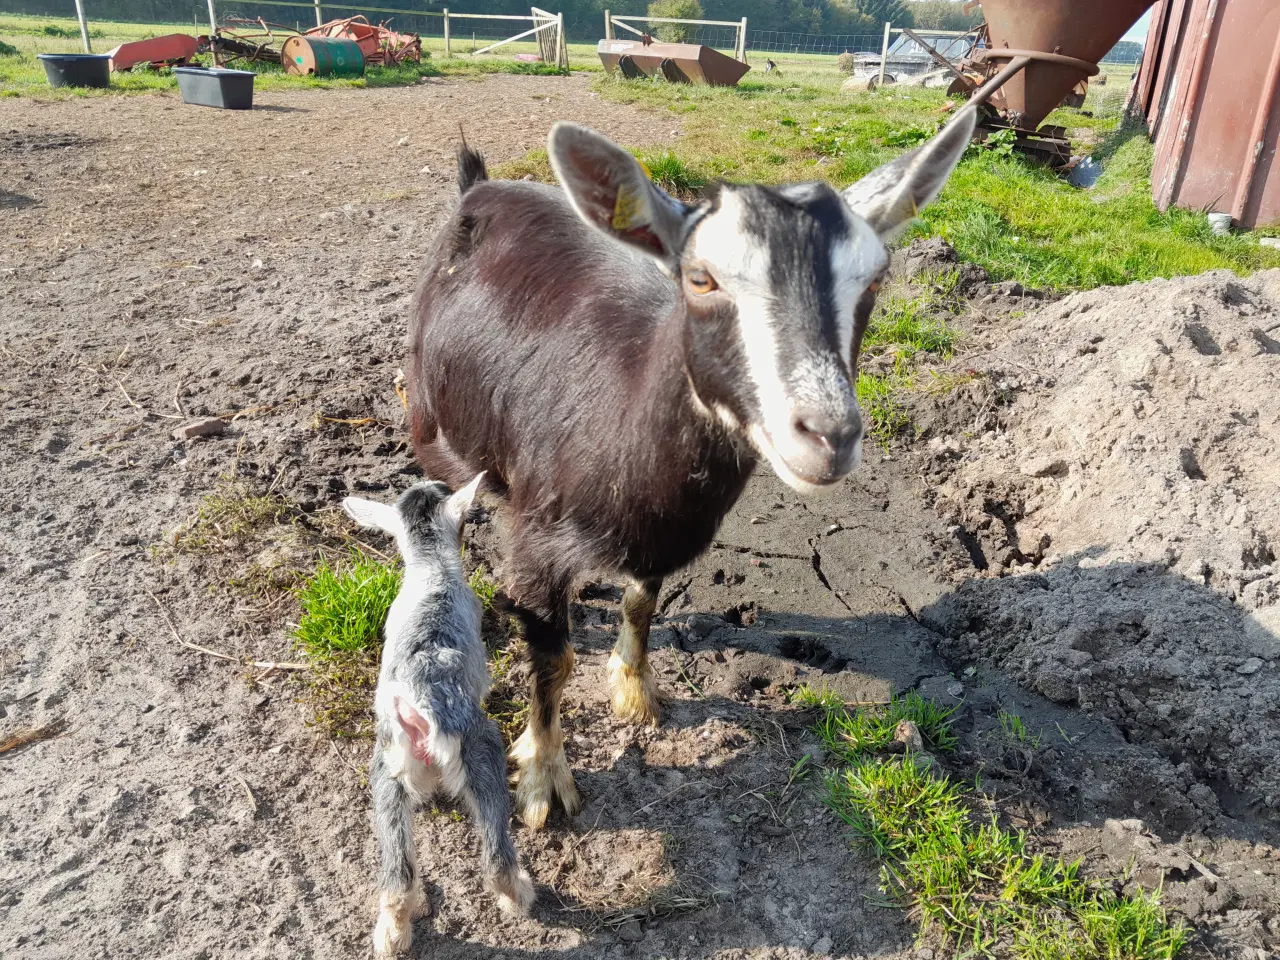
x=1139, y=30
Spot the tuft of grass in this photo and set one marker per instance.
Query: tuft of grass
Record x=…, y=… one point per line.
x=878, y=402
x=339, y=690
x=1015, y=730
x=910, y=325
x=483, y=586
x=228, y=517
x=848, y=735
x=977, y=886
x=673, y=174
x=344, y=606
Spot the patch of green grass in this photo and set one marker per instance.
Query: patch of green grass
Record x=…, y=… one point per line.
x=909, y=324
x=673, y=175
x=877, y=398
x=344, y=606
x=976, y=886
x=227, y=517
x=1016, y=730
x=483, y=586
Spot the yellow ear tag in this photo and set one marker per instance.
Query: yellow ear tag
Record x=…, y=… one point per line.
x=628, y=209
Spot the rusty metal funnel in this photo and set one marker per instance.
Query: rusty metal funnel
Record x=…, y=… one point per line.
x=1064, y=40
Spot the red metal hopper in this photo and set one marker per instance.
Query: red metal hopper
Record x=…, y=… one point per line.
x=1064, y=40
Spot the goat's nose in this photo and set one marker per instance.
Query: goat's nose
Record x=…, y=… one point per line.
x=827, y=435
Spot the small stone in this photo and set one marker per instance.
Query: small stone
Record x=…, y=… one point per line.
x=909, y=734
x=402, y=142
x=207, y=427
x=1252, y=665
x=630, y=932
x=822, y=946
x=1042, y=467
x=1269, y=242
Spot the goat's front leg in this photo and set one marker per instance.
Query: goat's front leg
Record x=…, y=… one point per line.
x=486, y=795
x=544, y=773
x=635, y=692
x=399, y=896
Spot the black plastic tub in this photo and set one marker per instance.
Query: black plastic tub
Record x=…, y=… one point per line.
x=216, y=87
x=77, y=69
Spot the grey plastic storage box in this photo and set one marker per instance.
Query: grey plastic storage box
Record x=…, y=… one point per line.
x=76, y=69
x=216, y=87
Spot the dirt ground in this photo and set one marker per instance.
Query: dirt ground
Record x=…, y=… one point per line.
x=161, y=263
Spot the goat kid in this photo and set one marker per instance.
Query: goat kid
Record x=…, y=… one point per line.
x=432, y=731
x=618, y=361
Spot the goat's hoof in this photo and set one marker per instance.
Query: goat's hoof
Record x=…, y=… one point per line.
x=393, y=933
x=541, y=780
x=515, y=892
x=635, y=692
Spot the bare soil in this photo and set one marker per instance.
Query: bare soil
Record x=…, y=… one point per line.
x=162, y=263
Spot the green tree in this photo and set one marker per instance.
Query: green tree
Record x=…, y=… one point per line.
x=679, y=10
x=943, y=15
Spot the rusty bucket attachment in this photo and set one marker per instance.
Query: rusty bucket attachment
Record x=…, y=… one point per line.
x=677, y=62
x=1062, y=40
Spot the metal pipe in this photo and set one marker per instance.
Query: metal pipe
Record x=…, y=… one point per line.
x=884, y=52
x=213, y=33
x=84, y=27
x=319, y=15
x=1257, y=136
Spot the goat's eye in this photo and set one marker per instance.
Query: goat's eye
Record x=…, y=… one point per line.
x=701, y=282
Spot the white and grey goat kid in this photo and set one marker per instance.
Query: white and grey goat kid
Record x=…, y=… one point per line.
x=432, y=731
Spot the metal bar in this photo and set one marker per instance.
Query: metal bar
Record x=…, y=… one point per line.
x=518, y=36
x=213, y=32
x=937, y=57
x=706, y=23
x=482, y=16
x=884, y=52
x=319, y=15
x=1257, y=136
x=608, y=26
x=995, y=83
x=84, y=26
x=638, y=33
x=448, y=47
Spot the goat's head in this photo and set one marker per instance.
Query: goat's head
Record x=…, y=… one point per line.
x=426, y=521
x=777, y=283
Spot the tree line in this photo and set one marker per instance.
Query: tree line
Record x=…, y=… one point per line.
x=584, y=19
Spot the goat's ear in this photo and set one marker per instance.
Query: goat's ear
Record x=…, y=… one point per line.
x=611, y=191
x=459, y=503
x=376, y=516
x=890, y=196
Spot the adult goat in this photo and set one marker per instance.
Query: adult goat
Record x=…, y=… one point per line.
x=616, y=360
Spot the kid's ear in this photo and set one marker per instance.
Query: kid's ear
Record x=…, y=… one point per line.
x=375, y=516
x=458, y=506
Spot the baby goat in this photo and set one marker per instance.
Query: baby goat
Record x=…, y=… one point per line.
x=618, y=361
x=432, y=730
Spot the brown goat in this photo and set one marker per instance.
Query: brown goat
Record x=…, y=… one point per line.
x=617, y=361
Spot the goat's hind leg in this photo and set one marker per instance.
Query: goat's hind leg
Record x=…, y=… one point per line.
x=635, y=692
x=544, y=773
x=486, y=795
x=399, y=895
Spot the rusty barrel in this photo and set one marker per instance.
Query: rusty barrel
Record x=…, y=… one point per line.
x=1065, y=39
x=322, y=57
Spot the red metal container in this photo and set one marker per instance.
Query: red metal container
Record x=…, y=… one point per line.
x=1064, y=38
x=678, y=62
x=1210, y=89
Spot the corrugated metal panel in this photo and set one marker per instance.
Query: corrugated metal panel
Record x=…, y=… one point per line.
x=1210, y=89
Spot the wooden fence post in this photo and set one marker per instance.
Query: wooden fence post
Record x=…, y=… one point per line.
x=84, y=27
x=742, y=41
x=448, y=48
x=884, y=52
x=608, y=25
x=562, y=44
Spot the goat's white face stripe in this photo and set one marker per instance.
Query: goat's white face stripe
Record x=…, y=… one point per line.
x=740, y=263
